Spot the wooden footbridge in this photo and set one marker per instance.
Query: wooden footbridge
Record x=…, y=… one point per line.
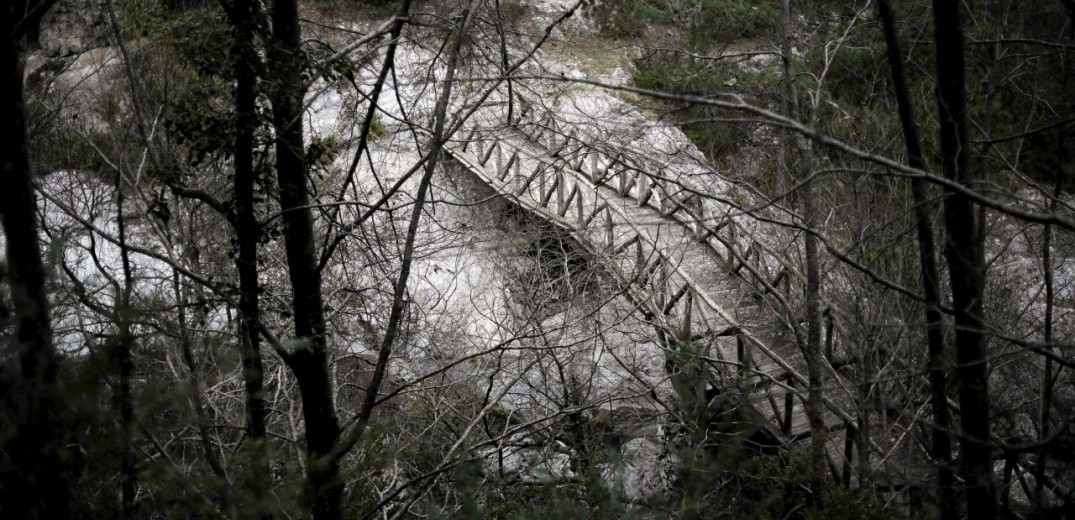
x=696, y=276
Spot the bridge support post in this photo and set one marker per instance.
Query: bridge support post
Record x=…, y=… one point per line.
x=849, y=446
x=645, y=190
x=789, y=408
x=640, y=261
x=1011, y=459
x=828, y=333
x=542, y=182
x=699, y=220
x=610, y=234
x=688, y=308
x=520, y=181
x=742, y=355
x=579, y=213
x=560, y=189
x=663, y=291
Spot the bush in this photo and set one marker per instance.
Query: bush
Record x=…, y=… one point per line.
x=377, y=128
x=514, y=11
x=619, y=19
x=702, y=124
x=857, y=74
x=704, y=23
x=723, y=21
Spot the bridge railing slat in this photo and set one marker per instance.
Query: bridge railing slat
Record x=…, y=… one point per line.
x=579, y=214
x=548, y=190
x=505, y=169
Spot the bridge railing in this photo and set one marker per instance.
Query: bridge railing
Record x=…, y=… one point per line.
x=564, y=182
x=564, y=187
x=557, y=173
x=727, y=229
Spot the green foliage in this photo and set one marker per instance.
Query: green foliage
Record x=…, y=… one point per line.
x=724, y=21
x=1042, y=160
x=588, y=498
x=858, y=503
x=514, y=11
x=704, y=23
x=322, y=151
x=181, y=59
x=140, y=18
x=544, y=502
x=703, y=125
x=377, y=128
x=778, y=486
x=353, y=111
x=714, y=139
x=626, y=19
x=205, y=131
x=61, y=148
x=356, y=8
x=856, y=74
x=191, y=73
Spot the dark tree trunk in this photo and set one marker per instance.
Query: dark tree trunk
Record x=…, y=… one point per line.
x=1048, y=377
x=309, y=360
x=815, y=412
x=966, y=265
x=121, y=347
x=33, y=462
x=247, y=230
x=941, y=447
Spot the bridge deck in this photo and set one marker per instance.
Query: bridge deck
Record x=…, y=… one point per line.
x=648, y=235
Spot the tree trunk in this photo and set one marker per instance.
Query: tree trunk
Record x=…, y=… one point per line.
x=966, y=265
x=33, y=462
x=257, y=480
x=941, y=447
x=1048, y=377
x=121, y=346
x=309, y=360
x=815, y=411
